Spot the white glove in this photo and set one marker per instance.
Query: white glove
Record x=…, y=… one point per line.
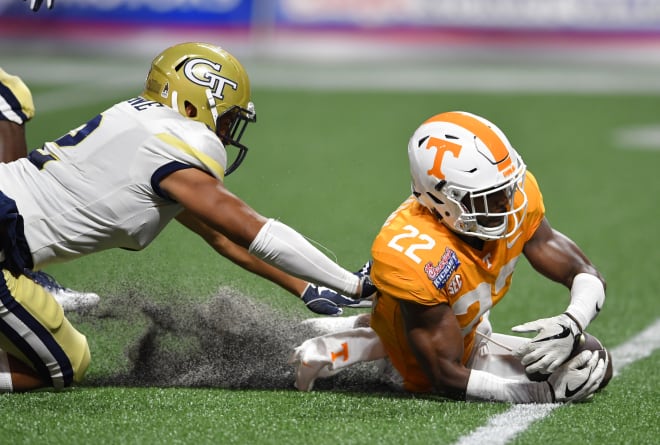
x=579, y=378
x=36, y=4
x=557, y=336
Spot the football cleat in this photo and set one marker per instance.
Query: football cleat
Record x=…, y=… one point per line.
x=70, y=300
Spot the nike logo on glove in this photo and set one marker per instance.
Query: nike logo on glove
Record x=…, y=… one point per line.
x=565, y=332
x=571, y=392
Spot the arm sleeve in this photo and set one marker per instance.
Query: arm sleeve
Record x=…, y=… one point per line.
x=485, y=386
x=587, y=298
x=281, y=246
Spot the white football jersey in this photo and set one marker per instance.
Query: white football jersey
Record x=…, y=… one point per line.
x=97, y=187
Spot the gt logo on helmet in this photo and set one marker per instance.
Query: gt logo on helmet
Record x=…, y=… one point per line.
x=214, y=82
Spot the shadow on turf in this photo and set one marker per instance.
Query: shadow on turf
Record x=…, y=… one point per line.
x=229, y=342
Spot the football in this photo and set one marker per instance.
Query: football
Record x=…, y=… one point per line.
x=588, y=342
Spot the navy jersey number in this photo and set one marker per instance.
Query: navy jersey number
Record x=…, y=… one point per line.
x=39, y=157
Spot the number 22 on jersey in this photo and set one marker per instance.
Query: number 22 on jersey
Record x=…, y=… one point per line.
x=473, y=302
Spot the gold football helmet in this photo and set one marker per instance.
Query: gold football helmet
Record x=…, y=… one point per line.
x=210, y=79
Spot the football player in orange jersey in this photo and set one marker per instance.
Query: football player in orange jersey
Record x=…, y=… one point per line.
x=446, y=256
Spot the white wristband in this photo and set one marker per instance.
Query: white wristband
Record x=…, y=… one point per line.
x=587, y=298
x=281, y=246
x=490, y=387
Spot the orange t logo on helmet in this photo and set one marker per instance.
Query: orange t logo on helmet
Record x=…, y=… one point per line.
x=441, y=147
x=498, y=150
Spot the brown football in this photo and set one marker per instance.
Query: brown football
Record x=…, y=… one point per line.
x=591, y=343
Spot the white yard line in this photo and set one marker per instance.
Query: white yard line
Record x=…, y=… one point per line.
x=504, y=427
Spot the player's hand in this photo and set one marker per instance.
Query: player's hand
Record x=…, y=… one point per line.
x=326, y=301
x=578, y=378
x=368, y=288
x=557, y=336
x=36, y=4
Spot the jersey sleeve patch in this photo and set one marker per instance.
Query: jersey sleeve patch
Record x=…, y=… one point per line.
x=402, y=280
x=439, y=274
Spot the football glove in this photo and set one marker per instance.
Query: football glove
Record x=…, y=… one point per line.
x=368, y=288
x=326, y=301
x=36, y=4
x=578, y=378
x=557, y=336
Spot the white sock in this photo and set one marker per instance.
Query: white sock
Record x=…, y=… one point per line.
x=329, y=325
x=328, y=354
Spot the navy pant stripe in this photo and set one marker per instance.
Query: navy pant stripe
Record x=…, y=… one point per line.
x=42, y=334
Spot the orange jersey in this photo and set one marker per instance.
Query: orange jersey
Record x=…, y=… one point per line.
x=418, y=259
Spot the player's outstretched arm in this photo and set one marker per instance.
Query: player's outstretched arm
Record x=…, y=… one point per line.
x=558, y=258
x=318, y=299
x=240, y=255
x=275, y=243
x=435, y=338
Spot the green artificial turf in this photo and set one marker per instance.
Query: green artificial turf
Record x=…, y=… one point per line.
x=333, y=165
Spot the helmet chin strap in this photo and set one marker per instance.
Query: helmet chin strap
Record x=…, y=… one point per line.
x=175, y=101
x=211, y=100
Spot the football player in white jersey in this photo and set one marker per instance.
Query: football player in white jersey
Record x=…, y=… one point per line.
x=116, y=181
x=16, y=109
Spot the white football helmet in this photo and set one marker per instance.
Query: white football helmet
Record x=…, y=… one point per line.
x=212, y=80
x=467, y=173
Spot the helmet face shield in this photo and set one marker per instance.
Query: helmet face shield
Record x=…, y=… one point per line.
x=230, y=127
x=496, y=212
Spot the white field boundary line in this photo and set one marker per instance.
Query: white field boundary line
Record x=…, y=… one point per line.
x=504, y=427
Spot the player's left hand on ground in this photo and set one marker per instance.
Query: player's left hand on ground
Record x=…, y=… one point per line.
x=36, y=4
x=557, y=336
x=326, y=301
